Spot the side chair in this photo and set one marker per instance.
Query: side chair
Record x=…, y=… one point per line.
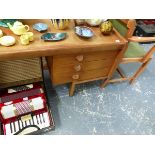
x=134, y=52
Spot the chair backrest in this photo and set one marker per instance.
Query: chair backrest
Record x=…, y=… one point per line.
x=125, y=27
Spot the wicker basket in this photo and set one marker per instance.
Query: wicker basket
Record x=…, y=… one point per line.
x=19, y=72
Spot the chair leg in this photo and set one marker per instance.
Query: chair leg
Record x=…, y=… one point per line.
x=140, y=70
x=106, y=81
x=123, y=78
x=72, y=88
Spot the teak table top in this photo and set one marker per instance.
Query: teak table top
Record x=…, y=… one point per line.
x=71, y=44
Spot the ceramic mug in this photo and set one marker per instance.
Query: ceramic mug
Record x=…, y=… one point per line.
x=1, y=33
x=30, y=35
x=24, y=39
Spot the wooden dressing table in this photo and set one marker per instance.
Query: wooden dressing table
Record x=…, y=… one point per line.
x=73, y=60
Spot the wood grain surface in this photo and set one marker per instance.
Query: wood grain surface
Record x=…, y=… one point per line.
x=72, y=44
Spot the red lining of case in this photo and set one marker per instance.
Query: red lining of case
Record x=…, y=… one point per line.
x=147, y=22
x=5, y=93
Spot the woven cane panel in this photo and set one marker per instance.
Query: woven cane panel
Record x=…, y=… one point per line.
x=20, y=72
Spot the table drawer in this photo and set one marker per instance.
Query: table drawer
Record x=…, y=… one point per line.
x=85, y=66
x=72, y=58
x=61, y=78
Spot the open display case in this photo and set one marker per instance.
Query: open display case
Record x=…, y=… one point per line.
x=24, y=107
x=145, y=28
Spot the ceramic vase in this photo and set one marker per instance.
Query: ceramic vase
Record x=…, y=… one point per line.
x=60, y=24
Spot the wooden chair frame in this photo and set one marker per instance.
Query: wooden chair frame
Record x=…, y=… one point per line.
x=131, y=25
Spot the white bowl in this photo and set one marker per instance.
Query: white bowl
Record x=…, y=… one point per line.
x=93, y=22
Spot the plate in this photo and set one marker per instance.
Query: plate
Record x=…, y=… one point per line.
x=84, y=31
x=7, y=40
x=40, y=27
x=53, y=36
x=3, y=22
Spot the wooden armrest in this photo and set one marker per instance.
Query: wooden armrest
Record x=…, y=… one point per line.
x=141, y=39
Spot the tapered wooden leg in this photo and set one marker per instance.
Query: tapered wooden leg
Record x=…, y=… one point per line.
x=104, y=83
x=72, y=88
x=114, y=66
x=120, y=72
x=140, y=70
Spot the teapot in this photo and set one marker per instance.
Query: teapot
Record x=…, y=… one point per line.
x=18, y=28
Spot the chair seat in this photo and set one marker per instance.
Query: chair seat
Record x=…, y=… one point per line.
x=134, y=50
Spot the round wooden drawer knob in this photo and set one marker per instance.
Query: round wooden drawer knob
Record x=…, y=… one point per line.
x=79, y=58
x=75, y=77
x=77, y=67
